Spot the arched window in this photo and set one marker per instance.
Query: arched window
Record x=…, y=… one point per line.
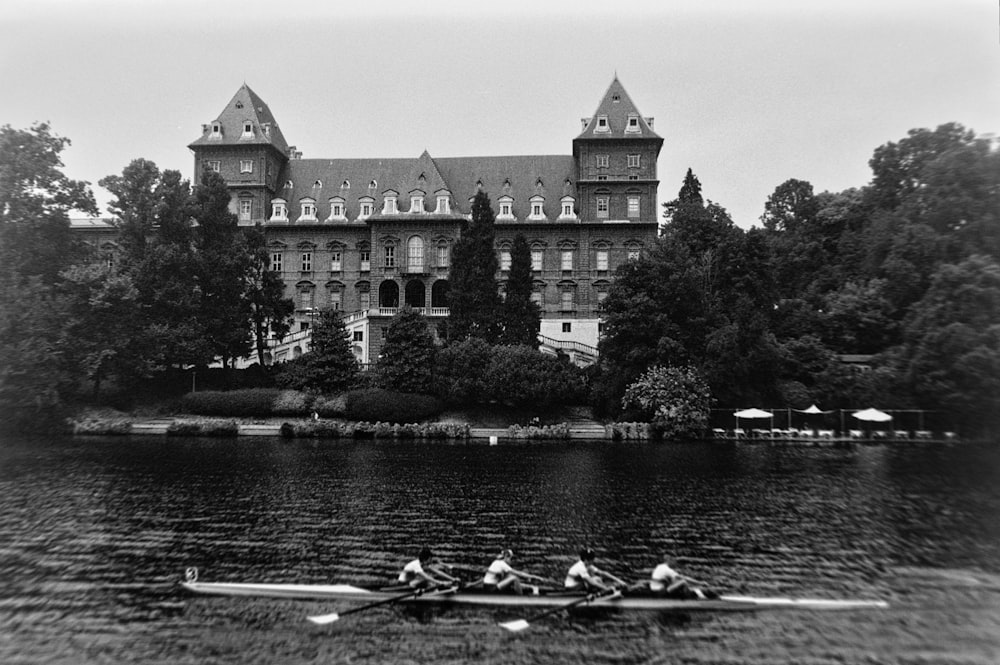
x=416, y=293
x=388, y=294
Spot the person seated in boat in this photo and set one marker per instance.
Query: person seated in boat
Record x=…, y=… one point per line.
x=585, y=576
x=665, y=581
x=500, y=577
x=416, y=575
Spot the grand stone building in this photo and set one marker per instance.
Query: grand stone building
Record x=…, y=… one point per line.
x=369, y=235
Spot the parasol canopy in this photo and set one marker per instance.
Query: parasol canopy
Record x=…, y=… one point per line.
x=752, y=413
x=812, y=410
x=872, y=415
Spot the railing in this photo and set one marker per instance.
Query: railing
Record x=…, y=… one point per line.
x=579, y=347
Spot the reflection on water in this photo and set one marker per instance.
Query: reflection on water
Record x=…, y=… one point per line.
x=94, y=534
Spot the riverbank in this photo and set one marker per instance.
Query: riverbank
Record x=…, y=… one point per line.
x=578, y=424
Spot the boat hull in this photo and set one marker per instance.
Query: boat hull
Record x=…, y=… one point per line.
x=346, y=592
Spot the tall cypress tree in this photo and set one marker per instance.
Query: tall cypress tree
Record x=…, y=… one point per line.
x=473, y=296
x=520, y=315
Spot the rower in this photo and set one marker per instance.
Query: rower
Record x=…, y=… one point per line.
x=666, y=581
x=500, y=577
x=415, y=572
x=585, y=576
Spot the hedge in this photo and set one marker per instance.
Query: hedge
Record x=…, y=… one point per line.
x=377, y=430
x=214, y=428
x=375, y=405
x=254, y=402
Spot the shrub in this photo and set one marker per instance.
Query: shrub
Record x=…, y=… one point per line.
x=291, y=403
x=259, y=402
x=460, y=372
x=213, y=428
x=376, y=405
x=676, y=400
x=330, y=407
x=102, y=426
x=560, y=431
x=366, y=430
x=520, y=375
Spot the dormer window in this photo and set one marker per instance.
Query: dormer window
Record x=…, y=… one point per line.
x=537, y=208
x=279, y=211
x=602, y=124
x=247, y=130
x=308, y=210
x=633, y=124
x=216, y=131
x=416, y=203
x=346, y=184
x=372, y=185
x=443, y=204
x=366, y=208
x=506, y=208
x=337, y=208
x=389, y=205
x=567, y=208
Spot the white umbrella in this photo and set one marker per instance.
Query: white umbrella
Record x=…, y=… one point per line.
x=753, y=413
x=872, y=415
x=812, y=410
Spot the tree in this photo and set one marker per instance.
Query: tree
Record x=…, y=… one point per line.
x=460, y=371
x=329, y=366
x=525, y=377
x=155, y=218
x=100, y=335
x=136, y=201
x=951, y=348
x=406, y=363
x=36, y=245
x=791, y=207
x=520, y=315
x=270, y=310
x=224, y=271
x=473, y=297
x=677, y=400
x=32, y=376
x=36, y=199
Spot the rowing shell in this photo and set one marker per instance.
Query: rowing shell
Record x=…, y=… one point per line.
x=353, y=593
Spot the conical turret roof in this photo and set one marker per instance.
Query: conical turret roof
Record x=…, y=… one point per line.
x=616, y=108
x=245, y=106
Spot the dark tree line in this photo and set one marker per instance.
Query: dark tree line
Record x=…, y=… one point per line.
x=903, y=269
x=189, y=286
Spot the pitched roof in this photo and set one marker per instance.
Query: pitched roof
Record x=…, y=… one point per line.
x=617, y=106
x=245, y=106
x=521, y=177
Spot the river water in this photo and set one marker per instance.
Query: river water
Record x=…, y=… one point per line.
x=96, y=532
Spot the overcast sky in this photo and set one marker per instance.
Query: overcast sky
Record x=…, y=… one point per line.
x=747, y=94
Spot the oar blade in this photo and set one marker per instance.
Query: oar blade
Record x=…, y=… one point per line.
x=323, y=619
x=515, y=626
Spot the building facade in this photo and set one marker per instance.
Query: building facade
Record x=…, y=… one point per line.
x=369, y=235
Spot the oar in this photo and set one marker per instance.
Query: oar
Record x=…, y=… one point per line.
x=324, y=619
x=521, y=624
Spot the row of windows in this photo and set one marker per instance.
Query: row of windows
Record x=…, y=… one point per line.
x=631, y=124
x=604, y=161
x=338, y=208
x=415, y=258
x=248, y=130
x=311, y=298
